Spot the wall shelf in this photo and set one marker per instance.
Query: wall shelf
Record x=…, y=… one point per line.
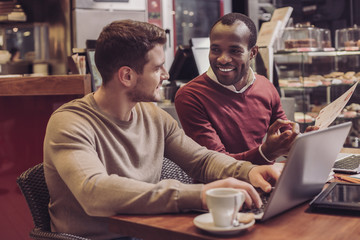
x=45, y=85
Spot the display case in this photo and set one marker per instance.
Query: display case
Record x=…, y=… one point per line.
x=348, y=38
x=316, y=78
x=301, y=37
x=305, y=38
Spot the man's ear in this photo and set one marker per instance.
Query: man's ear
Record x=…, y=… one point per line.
x=126, y=76
x=253, y=52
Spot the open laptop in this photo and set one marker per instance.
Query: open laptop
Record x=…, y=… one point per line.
x=307, y=169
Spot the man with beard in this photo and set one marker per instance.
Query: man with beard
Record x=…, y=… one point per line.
x=230, y=109
x=103, y=153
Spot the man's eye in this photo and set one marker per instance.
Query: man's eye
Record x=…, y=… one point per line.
x=215, y=50
x=236, y=51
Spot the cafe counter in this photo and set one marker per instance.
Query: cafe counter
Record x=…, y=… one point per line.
x=26, y=104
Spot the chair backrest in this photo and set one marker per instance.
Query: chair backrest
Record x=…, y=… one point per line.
x=33, y=186
x=171, y=170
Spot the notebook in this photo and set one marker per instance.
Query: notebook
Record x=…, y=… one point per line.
x=307, y=169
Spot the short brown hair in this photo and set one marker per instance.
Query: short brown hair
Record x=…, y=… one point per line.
x=125, y=43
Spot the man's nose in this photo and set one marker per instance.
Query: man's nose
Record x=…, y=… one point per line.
x=224, y=58
x=165, y=75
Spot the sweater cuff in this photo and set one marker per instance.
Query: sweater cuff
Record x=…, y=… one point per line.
x=243, y=171
x=190, y=197
x=254, y=156
x=263, y=155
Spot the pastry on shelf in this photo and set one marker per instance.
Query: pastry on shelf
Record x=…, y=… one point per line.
x=353, y=107
x=316, y=77
x=334, y=75
x=349, y=114
x=290, y=83
x=350, y=43
x=349, y=75
x=326, y=81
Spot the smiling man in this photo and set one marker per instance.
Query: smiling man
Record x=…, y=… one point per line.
x=103, y=153
x=229, y=108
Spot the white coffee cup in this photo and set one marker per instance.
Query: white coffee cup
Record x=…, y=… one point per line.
x=224, y=204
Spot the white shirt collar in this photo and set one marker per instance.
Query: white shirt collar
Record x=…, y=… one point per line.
x=251, y=80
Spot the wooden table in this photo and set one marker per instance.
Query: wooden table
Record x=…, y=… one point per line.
x=297, y=223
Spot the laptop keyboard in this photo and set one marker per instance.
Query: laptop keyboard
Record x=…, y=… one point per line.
x=350, y=162
x=258, y=211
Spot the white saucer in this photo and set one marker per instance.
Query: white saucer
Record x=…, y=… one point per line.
x=205, y=222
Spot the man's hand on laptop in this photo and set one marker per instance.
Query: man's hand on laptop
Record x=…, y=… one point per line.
x=278, y=143
x=264, y=177
x=259, y=176
x=252, y=197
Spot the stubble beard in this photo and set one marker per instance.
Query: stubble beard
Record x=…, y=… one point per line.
x=139, y=96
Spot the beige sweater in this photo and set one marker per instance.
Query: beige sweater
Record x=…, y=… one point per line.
x=97, y=166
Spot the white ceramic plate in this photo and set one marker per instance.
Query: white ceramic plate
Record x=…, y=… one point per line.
x=205, y=222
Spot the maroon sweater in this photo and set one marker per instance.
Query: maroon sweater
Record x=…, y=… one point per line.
x=229, y=122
